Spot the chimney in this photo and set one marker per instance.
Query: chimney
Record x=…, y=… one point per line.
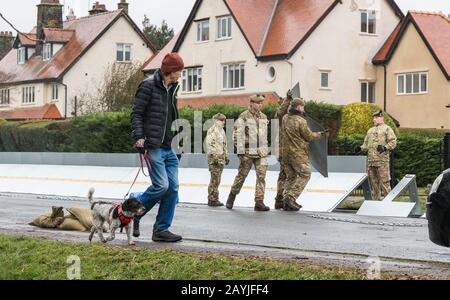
x=49, y=16
x=123, y=5
x=97, y=8
x=6, y=43
x=71, y=16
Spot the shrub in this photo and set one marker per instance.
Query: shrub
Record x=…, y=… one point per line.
x=357, y=119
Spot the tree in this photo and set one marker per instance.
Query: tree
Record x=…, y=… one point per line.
x=116, y=92
x=159, y=36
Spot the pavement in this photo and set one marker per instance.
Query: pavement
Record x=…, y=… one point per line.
x=343, y=239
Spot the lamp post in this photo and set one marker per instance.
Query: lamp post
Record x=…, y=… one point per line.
x=447, y=148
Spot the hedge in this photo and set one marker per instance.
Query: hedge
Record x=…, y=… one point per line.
x=414, y=154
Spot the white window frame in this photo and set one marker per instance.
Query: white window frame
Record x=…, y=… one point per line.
x=369, y=14
x=403, y=77
x=368, y=85
x=5, y=97
x=192, y=80
x=21, y=55
x=323, y=72
x=201, y=28
x=28, y=95
x=123, y=48
x=228, y=21
x=55, y=92
x=47, y=51
x=235, y=68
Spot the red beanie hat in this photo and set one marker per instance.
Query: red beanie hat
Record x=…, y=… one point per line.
x=172, y=62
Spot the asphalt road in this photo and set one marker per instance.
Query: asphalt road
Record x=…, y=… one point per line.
x=339, y=237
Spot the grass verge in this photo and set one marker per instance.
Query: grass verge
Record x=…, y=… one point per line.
x=32, y=258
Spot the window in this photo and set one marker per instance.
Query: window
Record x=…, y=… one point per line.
x=325, y=79
x=55, y=92
x=47, y=51
x=368, y=92
x=21, y=55
x=28, y=94
x=123, y=52
x=192, y=80
x=224, y=27
x=233, y=76
x=4, y=97
x=203, y=31
x=412, y=83
x=369, y=22
x=271, y=74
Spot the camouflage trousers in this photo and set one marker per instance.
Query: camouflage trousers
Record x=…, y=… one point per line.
x=298, y=174
x=245, y=166
x=380, y=180
x=216, y=170
x=282, y=177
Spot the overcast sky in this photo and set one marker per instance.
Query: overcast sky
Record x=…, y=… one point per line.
x=22, y=13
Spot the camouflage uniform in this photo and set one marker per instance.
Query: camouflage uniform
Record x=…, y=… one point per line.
x=297, y=137
x=216, y=143
x=282, y=177
x=378, y=163
x=250, y=139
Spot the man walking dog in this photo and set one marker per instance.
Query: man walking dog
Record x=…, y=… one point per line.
x=154, y=110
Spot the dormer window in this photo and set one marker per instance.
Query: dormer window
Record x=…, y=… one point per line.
x=47, y=51
x=21, y=55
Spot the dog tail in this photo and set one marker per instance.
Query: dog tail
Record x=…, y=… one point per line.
x=90, y=194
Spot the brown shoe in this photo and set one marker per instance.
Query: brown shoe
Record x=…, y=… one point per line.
x=260, y=206
x=230, y=201
x=291, y=205
x=215, y=203
x=279, y=204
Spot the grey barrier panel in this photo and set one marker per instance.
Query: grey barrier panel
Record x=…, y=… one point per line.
x=389, y=208
x=336, y=164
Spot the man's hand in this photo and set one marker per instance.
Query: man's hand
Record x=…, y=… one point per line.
x=139, y=146
x=381, y=149
x=289, y=95
x=140, y=143
x=326, y=132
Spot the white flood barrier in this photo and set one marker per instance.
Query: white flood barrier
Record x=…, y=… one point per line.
x=391, y=208
x=65, y=174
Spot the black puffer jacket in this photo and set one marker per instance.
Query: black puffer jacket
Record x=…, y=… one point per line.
x=149, y=115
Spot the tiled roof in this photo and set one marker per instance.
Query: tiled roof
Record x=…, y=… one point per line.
x=46, y=112
x=28, y=39
x=293, y=22
x=242, y=100
x=275, y=28
x=79, y=35
x=434, y=28
x=155, y=61
x=58, y=35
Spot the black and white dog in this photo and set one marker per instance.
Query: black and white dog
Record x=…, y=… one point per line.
x=438, y=210
x=116, y=215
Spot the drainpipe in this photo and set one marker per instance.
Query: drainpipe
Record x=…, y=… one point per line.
x=65, y=100
x=385, y=88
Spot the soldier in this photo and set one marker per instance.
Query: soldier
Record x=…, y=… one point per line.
x=281, y=112
x=250, y=139
x=216, y=142
x=297, y=137
x=379, y=141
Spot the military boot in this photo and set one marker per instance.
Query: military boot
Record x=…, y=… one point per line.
x=230, y=201
x=291, y=205
x=279, y=204
x=215, y=203
x=260, y=206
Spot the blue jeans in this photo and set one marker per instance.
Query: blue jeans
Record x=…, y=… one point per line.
x=164, y=188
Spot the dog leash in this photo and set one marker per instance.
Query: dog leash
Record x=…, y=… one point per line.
x=142, y=157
